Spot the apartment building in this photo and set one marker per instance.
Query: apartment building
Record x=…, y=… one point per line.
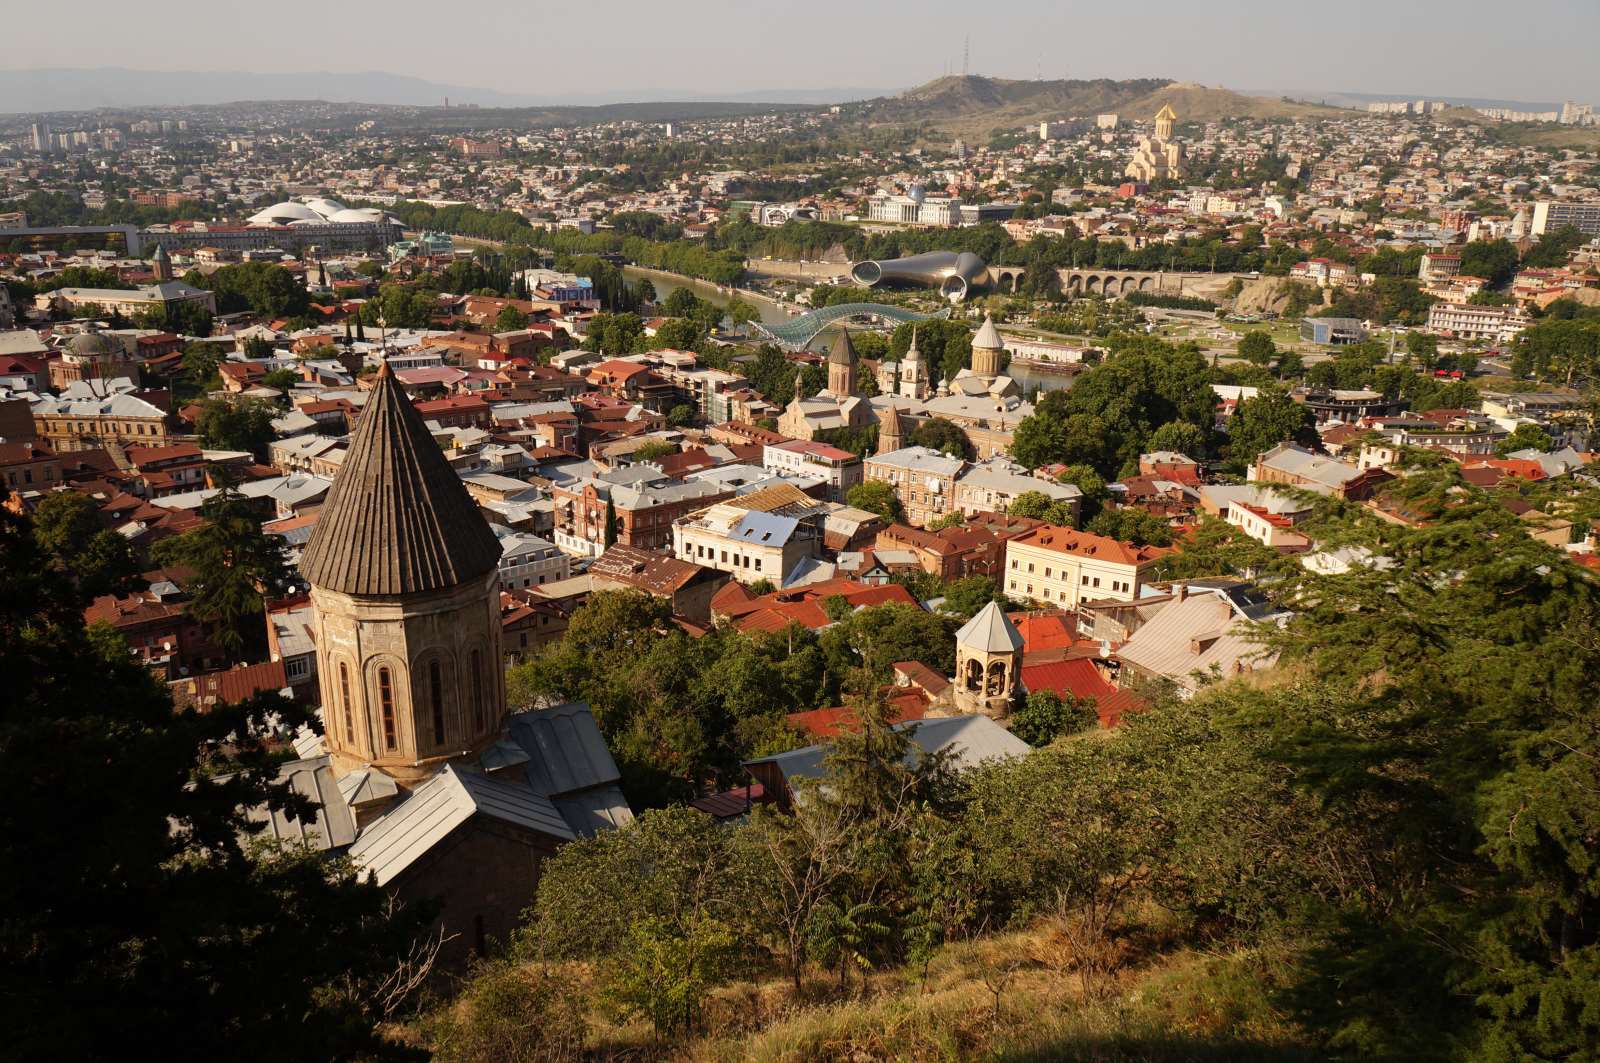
x=923, y=479
x=1062, y=567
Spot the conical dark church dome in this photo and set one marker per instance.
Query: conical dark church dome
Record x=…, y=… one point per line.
x=397, y=520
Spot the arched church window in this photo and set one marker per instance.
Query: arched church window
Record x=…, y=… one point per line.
x=480, y=710
x=386, y=707
x=344, y=701
x=436, y=691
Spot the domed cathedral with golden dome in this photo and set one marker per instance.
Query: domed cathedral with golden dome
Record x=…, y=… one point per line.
x=1160, y=157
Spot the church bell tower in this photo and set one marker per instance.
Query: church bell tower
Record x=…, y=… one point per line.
x=405, y=581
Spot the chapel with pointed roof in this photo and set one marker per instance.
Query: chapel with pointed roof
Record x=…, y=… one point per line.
x=839, y=405
x=405, y=581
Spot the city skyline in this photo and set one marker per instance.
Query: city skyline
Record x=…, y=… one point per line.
x=1428, y=48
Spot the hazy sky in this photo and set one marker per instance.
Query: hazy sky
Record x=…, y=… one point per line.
x=1531, y=49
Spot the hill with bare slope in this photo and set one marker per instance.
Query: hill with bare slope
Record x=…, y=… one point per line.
x=978, y=106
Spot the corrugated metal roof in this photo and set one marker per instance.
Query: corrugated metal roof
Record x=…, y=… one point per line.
x=437, y=807
x=972, y=739
x=764, y=528
x=367, y=786
x=333, y=826
x=565, y=749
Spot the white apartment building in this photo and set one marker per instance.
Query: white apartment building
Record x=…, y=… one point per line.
x=1497, y=324
x=811, y=459
x=528, y=560
x=1549, y=216
x=1062, y=567
x=752, y=544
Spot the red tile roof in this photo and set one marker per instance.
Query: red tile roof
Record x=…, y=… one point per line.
x=1080, y=678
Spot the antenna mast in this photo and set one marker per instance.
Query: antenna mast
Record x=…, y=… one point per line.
x=966, y=53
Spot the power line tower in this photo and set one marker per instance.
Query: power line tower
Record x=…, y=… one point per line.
x=966, y=53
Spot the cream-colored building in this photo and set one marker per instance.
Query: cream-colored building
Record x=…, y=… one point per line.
x=1062, y=567
x=759, y=536
x=92, y=414
x=128, y=302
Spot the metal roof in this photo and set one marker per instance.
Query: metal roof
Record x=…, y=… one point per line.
x=569, y=763
x=332, y=827
x=973, y=740
x=991, y=631
x=764, y=528
x=398, y=520
x=436, y=808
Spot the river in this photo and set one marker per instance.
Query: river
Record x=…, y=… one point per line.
x=773, y=312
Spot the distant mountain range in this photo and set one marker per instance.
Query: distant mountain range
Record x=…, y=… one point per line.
x=71, y=89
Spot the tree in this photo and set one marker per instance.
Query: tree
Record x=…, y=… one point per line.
x=611, y=524
x=1046, y=716
x=1036, y=505
x=661, y=902
x=875, y=496
x=238, y=424
x=1094, y=492
x=67, y=530
x=1129, y=524
x=945, y=436
x=1524, y=437
x=1493, y=260
x=965, y=596
x=1179, y=437
x=236, y=567
x=156, y=911
x=1262, y=422
x=510, y=319
x=1257, y=348
x=281, y=379
x=681, y=416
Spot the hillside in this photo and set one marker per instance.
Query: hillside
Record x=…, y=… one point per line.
x=978, y=106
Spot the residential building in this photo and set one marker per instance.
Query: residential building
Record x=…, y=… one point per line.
x=1549, y=216
x=838, y=468
x=687, y=587
x=1496, y=324
x=645, y=503
x=529, y=560
x=93, y=413
x=127, y=302
x=990, y=486
x=923, y=479
x=758, y=536
x=1290, y=464
x=1061, y=567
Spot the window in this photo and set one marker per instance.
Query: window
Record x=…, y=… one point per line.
x=386, y=707
x=344, y=700
x=1030, y=566
x=480, y=710
x=296, y=668
x=436, y=693
x=1047, y=572
x=1097, y=581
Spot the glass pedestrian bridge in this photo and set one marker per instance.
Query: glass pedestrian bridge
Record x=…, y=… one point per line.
x=798, y=332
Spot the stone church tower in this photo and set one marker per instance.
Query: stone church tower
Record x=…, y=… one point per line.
x=842, y=366
x=889, y=432
x=988, y=663
x=406, y=587
x=913, y=374
x=987, y=349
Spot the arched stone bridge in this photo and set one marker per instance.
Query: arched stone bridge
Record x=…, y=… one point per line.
x=1113, y=283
